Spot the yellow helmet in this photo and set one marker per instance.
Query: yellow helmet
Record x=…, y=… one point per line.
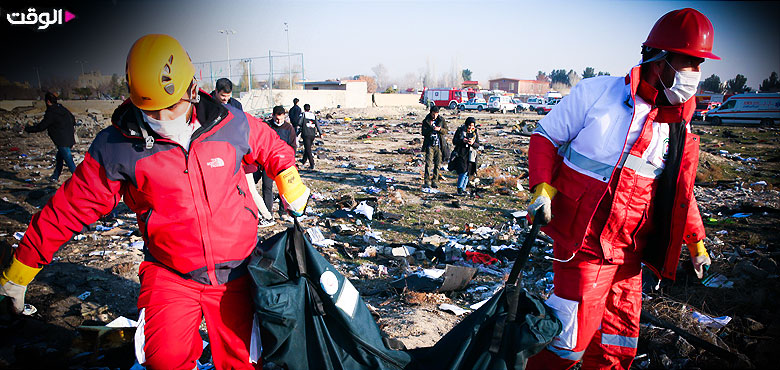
x=159, y=71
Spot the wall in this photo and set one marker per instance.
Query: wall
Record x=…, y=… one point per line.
x=75, y=106
x=259, y=100
x=396, y=100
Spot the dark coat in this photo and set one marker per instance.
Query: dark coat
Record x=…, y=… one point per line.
x=286, y=132
x=460, y=154
x=296, y=117
x=60, y=125
x=232, y=102
x=428, y=132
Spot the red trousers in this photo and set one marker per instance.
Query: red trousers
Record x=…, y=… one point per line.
x=171, y=312
x=599, y=305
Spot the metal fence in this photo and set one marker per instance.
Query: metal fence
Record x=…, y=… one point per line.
x=278, y=70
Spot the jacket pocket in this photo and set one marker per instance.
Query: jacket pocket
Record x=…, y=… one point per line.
x=277, y=308
x=566, y=311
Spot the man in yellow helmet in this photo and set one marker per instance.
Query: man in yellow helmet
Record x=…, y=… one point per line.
x=175, y=155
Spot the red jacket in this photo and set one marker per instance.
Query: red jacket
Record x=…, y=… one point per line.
x=582, y=147
x=192, y=207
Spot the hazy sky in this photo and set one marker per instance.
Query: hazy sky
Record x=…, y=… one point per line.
x=341, y=38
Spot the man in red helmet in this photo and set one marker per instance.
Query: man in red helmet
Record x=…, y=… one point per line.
x=612, y=168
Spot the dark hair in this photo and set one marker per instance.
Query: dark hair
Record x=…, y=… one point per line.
x=295, y=101
x=306, y=107
x=434, y=109
x=224, y=85
x=278, y=110
x=50, y=97
x=652, y=54
x=471, y=120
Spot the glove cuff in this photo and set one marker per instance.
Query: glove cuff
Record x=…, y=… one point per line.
x=697, y=249
x=544, y=189
x=292, y=190
x=19, y=273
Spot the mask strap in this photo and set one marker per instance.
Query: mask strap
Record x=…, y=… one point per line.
x=196, y=99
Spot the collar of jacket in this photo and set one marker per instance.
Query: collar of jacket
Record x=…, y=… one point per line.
x=666, y=113
x=127, y=118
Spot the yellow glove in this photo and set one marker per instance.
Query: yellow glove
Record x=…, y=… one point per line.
x=699, y=257
x=294, y=194
x=14, y=281
x=543, y=194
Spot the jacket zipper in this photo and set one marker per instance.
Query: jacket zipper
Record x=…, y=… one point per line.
x=146, y=221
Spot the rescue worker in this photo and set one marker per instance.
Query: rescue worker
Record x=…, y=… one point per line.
x=223, y=93
x=175, y=155
x=612, y=168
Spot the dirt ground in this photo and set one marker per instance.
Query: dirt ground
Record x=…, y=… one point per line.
x=373, y=155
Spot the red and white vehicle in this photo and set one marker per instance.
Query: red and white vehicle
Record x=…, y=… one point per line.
x=752, y=108
x=444, y=97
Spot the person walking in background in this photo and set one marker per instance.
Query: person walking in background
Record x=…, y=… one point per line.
x=59, y=123
x=373, y=100
x=434, y=130
x=464, y=157
x=310, y=129
x=223, y=91
x=295, y=116
x=285, y=131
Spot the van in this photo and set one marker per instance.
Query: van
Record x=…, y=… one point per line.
x=755, y=108
x=501, y=103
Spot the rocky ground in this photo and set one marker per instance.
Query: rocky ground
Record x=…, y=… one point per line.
x=373, y=156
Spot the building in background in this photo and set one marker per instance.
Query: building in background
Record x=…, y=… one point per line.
x=93, y=79
x=471, y=85
x=350, y=85
x=520, y=87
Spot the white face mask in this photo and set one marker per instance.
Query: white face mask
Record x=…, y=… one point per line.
x=177, y=129
x=684, y=86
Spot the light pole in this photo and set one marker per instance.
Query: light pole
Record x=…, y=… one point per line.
x=289, y=62
x=227, y=33
x=39, y=78
x=82, y=62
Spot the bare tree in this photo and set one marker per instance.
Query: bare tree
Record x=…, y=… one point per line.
x=370, y=82
x=380, y=73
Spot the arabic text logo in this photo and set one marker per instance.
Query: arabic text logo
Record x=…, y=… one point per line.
x=42, y=19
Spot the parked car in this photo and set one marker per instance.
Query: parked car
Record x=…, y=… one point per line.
x=474, y=103
x=754, y=108
x=520, y=105
x=535, y=102
x=501, y=103
x=700, y=114
x=546, y=108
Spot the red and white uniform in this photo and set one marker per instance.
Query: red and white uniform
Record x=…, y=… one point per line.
x=604, y=149
x=197, y=217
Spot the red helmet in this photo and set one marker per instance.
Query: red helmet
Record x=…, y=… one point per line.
x=684, y=31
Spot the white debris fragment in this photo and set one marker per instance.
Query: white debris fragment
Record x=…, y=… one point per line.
x=453, y=308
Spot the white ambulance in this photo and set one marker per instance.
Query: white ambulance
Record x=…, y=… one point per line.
x=753, y=108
